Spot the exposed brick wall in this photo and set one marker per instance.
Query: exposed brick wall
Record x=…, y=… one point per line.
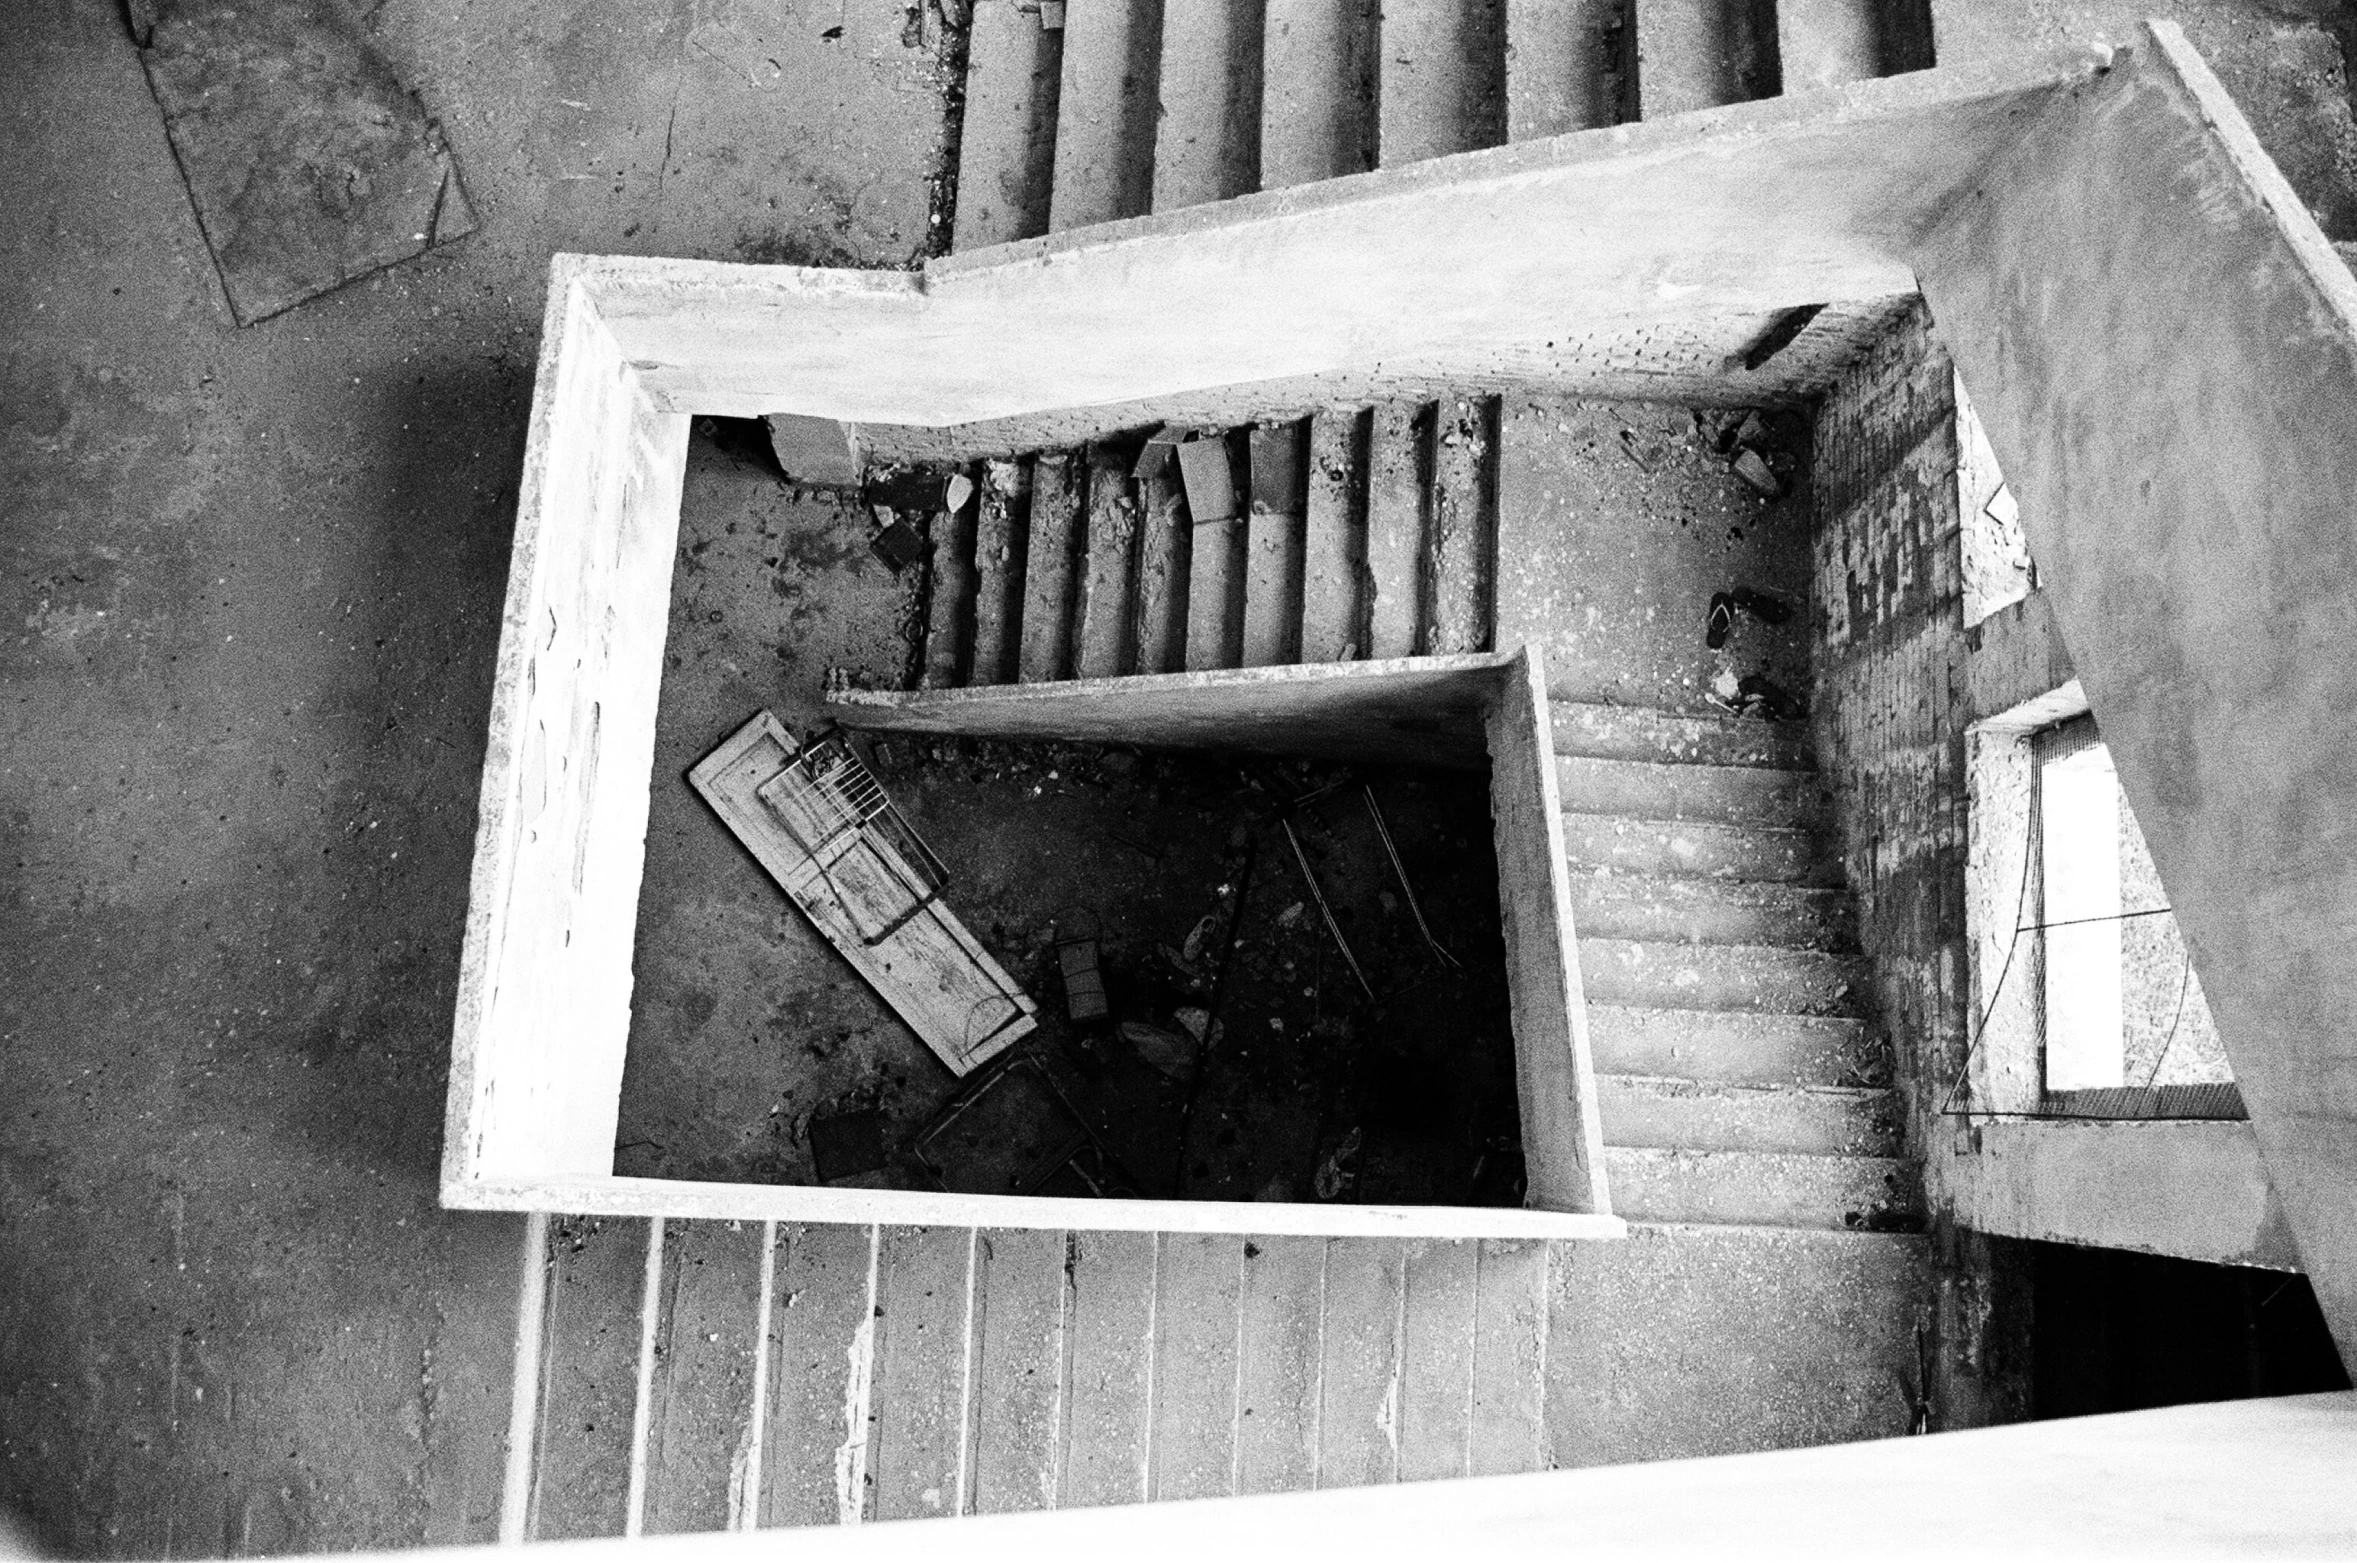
x=1891, y=697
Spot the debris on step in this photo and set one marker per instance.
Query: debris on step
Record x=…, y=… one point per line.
x=819, y=822
x=1168, y=1051
x=957, y=492
x=307, y=161
x=898, y=541
x=1209, y=480
x=845, y=1145
x=1758, y=694
x=814, y=452
x=1716, y=625
x=1753, y=468
x=1084, y=983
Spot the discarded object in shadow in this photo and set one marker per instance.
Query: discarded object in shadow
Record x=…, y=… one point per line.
x=1753, y=468
x=1758, y=694
x=1780, y=334
x=819, y=822
x=1084, y=982
x=1415, y=907
x=308, y=163
x=899, y=544
x=1013, y=1131
x=1316, y=894
x=847, y=1145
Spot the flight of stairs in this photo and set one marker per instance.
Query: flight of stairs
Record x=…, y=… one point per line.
x=1362, y=530
x=1738, y=1077
x=686, y=1376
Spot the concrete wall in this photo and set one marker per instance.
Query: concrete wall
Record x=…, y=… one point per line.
x=2164, y=350
x=2191, y=1190
x=543, y=1010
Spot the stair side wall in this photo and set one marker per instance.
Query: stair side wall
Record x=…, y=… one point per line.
x=1890, y=695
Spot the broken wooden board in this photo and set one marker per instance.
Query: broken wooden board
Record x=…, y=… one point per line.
x=308, y=163
x=957, y=999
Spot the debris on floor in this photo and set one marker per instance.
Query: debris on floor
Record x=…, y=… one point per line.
x=847, y=1145
x=308, y=162
x=819, y=822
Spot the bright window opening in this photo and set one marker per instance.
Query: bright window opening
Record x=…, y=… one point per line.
x=2120, y=1005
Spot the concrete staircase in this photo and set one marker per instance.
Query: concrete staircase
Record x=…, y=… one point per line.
x=1362, y=530
x=684, y=1376
x=1738, y=1077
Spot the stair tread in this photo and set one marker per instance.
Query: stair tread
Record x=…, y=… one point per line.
x=1699, y=848
x=1460, y=525
x=1556, y=67
x=1729, y=794
x=1050, y=583
x=1334, y=547
x=1824, y=43
x=1763, y=978
x=1662, y=1112
x=1603, y=731
x=1737, y=1046
x=1318, y=76
x=1762, y=1188
x=1106, y=101
x=1007, y=139
x=1705, y=909
x=1442, y=83
x=1695, y=54
x=1103, y=645
x=1207, y=124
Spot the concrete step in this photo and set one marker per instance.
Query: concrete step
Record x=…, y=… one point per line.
x=949, y=598
x=1823, y=43
x=1733, y=1046
x=1759, y=1188
x=1763, y=978
x=1107, y=97
x=1442, y=82
x=1007, y=143
x=1207, y=131
x=1461, y=527
x=1657, y=1113
x=1334, y=562
x=1001, y=547
x=1701, y=54
x=1164, y=555
x=1318, y=85
x=1051, y=567
x=1104, y=643
x=1730, y=794
x=1274, y=544
x=1610, y=732
x=1652, y=846
x=1692, y=910
x=1399, y=486
x=1562, y=66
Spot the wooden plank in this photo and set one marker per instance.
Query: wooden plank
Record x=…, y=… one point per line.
x=814, y=1449
x=1399, y=466
x=1106, y=102
x=1274, y=546
x=1334, y=544
x=1207, y=136
x=1436, y=1358
x=1108, y=614
x=700, y=1414
x=1108, y=1377
x=1049, y=576
x=1461, y=533
x=1007, y=140
x=589, y=1377
x=1510, y=1361
x=1196, y=1296
x=1164, y=549
x=1318, y=74
x=1215, y=592
x=1359, y=1383
x=917, y=1428
x=1443, y=86
x=1281, y=1347
x=1001, y=546
x=1019, y=1335
x=1559, y=66
x=949, y=600
x=933, y=972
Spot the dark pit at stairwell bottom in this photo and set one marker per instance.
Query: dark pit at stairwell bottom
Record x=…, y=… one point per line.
x=1237, y=997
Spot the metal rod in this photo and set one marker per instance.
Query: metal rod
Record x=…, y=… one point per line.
x=1324, y=910
x=1401, y=869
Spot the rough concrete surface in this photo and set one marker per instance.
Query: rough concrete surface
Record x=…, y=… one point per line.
x=252, y=586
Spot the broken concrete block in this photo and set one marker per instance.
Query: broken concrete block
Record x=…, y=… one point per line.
x=815, y=452
x=1209, y=480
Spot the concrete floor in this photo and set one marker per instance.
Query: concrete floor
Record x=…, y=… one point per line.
x=253, y=582
x=253, y=579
